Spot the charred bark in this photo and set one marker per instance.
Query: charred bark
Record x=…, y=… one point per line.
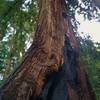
x=71, y=82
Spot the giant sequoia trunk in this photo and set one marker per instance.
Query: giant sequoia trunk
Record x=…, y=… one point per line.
x=51, y=69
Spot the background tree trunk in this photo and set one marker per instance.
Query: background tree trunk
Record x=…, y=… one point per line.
x=46, y=56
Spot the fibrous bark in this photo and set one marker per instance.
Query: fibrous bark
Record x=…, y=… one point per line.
x=71, y=82
x=33, y=79
x=44, y=55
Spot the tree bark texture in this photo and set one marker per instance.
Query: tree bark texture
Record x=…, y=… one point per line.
x=42, y=74
x=44, y=55
x=70, y=82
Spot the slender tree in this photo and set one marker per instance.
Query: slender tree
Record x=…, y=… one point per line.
x=52, y=57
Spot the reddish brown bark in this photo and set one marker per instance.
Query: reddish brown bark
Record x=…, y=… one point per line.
x=45, y=55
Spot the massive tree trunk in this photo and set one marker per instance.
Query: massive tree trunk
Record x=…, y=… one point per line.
x=42, y=74
x=43, y=57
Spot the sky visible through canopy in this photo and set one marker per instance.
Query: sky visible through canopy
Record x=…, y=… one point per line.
x=89, y=27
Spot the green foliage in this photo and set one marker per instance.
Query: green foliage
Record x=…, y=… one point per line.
x=17, y=25
x=90, y=54
x=3, y=54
